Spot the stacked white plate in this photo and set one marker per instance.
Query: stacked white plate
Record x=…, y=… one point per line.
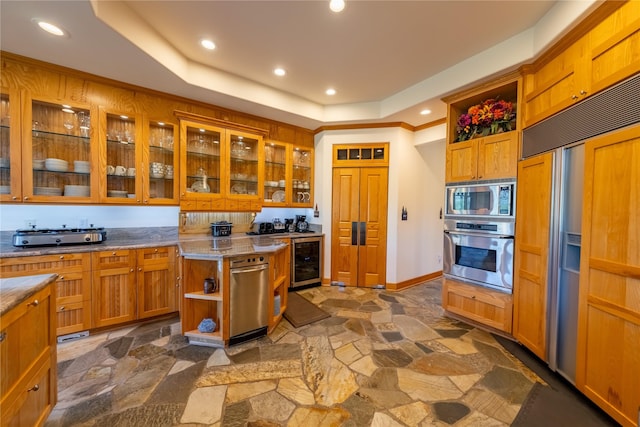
x=38, y=164
x=56, y=165
x=47, y=191
x=81, y=166
x=116, y=193
x=5, y=189
x=77, y=190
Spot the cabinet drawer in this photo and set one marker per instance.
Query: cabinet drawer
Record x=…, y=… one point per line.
x=113, y=259
x=482, y=305
x=28, y=266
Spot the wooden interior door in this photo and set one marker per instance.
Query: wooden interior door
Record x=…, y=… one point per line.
x=359, y=226
x=345, y=213
x=531, y=256
x=372, y=256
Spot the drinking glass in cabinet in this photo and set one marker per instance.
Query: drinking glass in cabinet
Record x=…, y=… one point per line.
x=61, y=154
x=244, y=165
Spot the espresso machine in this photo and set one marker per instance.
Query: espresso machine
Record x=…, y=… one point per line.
x=302, y=226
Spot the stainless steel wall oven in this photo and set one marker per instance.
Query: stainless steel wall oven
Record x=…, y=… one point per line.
x=306, y=261
x=479, y=252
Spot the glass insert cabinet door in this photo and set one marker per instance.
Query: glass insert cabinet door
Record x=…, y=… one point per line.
x=202, y=171
x=161, y=179
x=122, y=144
x=10, y=182
x=302, y=176
x=275, y=173
x=243, y=164
x=59, y=153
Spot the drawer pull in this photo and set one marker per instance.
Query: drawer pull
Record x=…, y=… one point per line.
x=62, y=308
x=34, y=303
x=61, y=278
x=34, y=388
x=61, y=256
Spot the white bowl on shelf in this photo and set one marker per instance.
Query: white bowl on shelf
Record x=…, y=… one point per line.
x=56, y=165
x=81, y=166
x=77, y=190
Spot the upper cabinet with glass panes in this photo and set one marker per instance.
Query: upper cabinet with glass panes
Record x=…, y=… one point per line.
x=58, y=156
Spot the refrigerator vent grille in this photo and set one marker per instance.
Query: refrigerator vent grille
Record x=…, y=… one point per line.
x=609, y=110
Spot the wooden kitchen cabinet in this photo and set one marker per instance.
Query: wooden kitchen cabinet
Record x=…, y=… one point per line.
x=280, y=273
x=221, y=165
x=157, y=281
x=608, y=348
x=59, y=152
x=482, y=305
x=531, y=254
x=198, y=306
x=302, y=177
x=113, y=287
x=160, y=165
x=10, y=146
x=28, y=361
x=133, y=284
x=605, y=55
x=292, y=166
x=72, y=296
x=491, y=157
x=484, y=157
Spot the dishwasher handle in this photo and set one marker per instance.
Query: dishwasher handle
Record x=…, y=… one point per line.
x=249, y=269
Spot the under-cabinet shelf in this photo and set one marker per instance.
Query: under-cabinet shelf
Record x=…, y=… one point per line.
x=216, y=296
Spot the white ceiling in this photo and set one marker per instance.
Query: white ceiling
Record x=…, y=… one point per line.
x=387, y=60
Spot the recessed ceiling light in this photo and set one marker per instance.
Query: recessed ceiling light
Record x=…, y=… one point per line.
x=336, y=5
x=330, y=92
x=207, y=44
x=425, y=112
x=50, y=28
x=279, y=72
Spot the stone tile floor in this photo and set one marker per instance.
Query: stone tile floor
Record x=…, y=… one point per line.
x=382, y=359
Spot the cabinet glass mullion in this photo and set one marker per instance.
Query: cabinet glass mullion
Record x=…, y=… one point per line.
x=61, y=150
x=203, y=160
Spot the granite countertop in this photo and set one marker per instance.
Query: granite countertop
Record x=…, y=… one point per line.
x=218, y=248
x=16, y=290
x=139, y=238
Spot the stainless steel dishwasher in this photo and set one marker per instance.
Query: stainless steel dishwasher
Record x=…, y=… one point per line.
x=249, y=288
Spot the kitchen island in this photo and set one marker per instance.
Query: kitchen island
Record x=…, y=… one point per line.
x=213, y=259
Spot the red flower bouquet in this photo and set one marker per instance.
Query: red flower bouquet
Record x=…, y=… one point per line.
x=489, y=117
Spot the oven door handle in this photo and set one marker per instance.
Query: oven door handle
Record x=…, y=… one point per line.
x=475, y=234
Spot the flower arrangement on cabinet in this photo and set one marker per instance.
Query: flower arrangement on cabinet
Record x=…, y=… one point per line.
x=487, y=118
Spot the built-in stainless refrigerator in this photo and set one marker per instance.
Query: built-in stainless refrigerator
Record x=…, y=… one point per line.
x=564, y=268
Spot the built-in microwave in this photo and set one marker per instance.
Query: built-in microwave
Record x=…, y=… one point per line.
x=487, y=199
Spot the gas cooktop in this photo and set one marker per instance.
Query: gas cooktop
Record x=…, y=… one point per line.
x=32, y=237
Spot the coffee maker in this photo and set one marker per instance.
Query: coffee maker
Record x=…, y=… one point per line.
x=302, y=226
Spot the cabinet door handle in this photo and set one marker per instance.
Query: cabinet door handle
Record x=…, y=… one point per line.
x=34, y=388
x=131, y=271
x=363, y=233
x=139, y=268
x=354, y=233
x=62, y=308
x=33, y=303
x=574, y=97
x=583, y=92
x=26, y=197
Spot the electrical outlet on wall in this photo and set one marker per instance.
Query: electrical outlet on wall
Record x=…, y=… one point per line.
x=439, y=259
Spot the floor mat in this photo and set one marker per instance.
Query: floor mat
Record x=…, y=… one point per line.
x=301, y=311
